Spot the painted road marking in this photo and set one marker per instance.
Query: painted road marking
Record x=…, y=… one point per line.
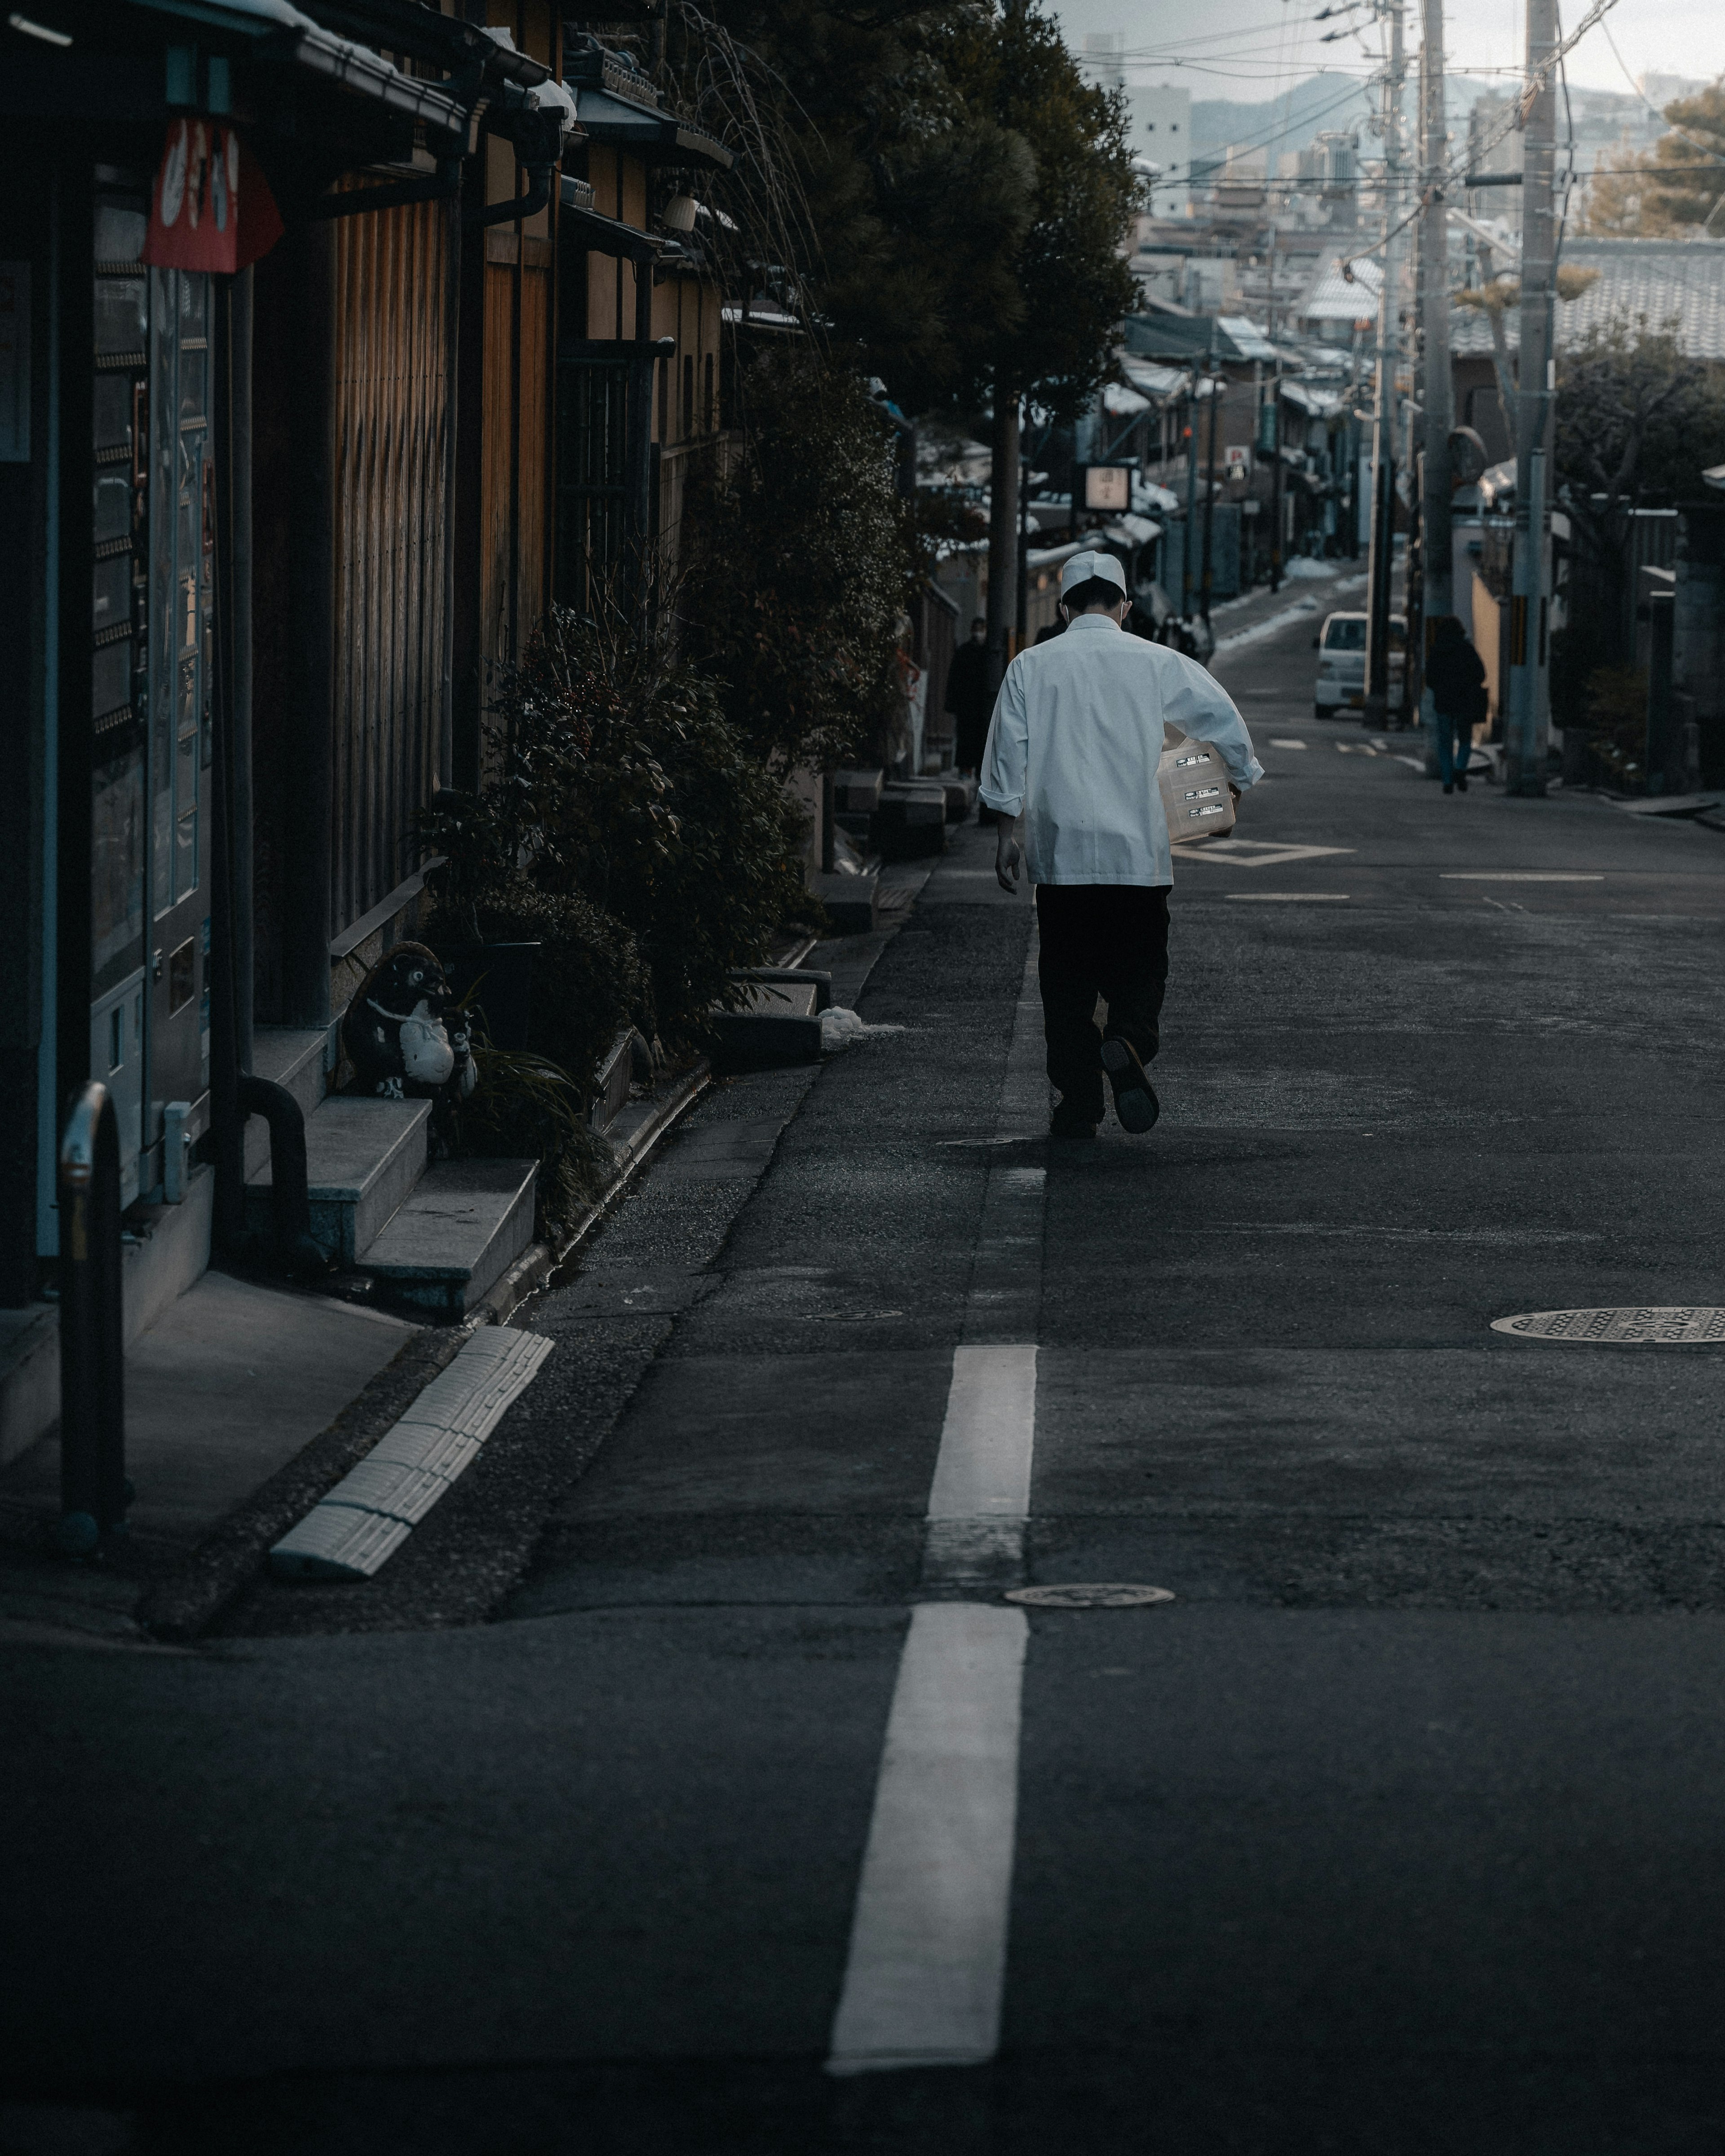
x=1276, y=742
x=1295, y=897
x=927, y=1959
x=1355, y=749
x=1516, y=876
x=983, y=1471
x=927, y=1968
x=1254, y=853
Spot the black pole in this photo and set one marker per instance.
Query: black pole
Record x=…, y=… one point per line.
x=94, y=1490
x=1275, y=481
x=308, y=810
x=1022, y=614
x=1382, y=559
x=1210, y=499
x=1661, y=620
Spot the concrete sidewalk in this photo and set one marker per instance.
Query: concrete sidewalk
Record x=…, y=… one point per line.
x=224, y=1391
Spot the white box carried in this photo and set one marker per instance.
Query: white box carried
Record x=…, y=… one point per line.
x=1194, y=778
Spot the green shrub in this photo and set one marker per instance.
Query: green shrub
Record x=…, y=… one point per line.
x=1616, y=712
x=589, y=981
x=801, y=566
x=525, y=1108
x=630, y=824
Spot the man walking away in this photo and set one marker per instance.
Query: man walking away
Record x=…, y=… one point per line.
x=1073, y=747
x=967, y=697
x=1455, y=674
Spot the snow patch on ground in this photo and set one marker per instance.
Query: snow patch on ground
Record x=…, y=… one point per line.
x=839, y=1027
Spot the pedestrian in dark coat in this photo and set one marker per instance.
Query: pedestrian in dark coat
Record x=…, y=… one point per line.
x=968, y=698
x=1455, y=676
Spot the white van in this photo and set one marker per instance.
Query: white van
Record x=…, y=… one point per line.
x=1341, y=662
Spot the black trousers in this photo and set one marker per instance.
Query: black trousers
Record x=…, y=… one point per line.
x=1099, y=939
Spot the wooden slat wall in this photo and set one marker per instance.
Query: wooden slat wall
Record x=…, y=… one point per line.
x=391, y=539
x=514, y=588
x=495, y=625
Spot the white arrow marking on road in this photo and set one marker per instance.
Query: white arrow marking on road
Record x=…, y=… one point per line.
x=1254, y=853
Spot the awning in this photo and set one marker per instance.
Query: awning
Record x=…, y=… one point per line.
x=608, y=235
x=1321, y=404
x=1150, y=380
x=1250, y=340
x=294, y=36
x=657, y=137
x=1122, y=403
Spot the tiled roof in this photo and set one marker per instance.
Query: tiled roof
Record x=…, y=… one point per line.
x=1332, y=298
x=1657, y=278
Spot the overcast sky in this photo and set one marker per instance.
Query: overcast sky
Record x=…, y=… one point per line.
x=1253, y=48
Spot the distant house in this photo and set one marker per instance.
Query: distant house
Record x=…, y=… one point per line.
x=1681, y=282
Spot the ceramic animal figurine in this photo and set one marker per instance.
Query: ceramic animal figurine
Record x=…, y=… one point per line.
x=400, y=1034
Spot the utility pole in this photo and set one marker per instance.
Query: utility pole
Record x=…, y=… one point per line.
x=1382, y=557
x=1276, y=480
x=1021, y=592
x=1191, y=528
x=1209, y=482
x=1525, y=732
x=1002, y=531
x=1437, y=391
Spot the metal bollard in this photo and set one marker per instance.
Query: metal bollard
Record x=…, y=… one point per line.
x=94, y=1490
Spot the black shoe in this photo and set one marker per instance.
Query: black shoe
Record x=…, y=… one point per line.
x=1070, y=1123
x=1135, y=1101
x=1449, y=789
x=1460, y=783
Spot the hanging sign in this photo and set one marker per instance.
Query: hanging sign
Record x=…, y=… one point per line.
x=212, y=208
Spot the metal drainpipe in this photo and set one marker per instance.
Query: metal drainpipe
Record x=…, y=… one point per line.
x=1210, y=495
x=305, y=956
x=239, y=723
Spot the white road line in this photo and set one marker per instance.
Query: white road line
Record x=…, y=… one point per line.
x=1515, y=876
x=1293, y=898
x=927, y=1962
x=983, y=1470
x=926, y=1967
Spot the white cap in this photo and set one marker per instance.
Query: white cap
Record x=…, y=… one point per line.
x=1081, y=568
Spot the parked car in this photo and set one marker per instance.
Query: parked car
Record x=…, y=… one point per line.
x=1341, y=646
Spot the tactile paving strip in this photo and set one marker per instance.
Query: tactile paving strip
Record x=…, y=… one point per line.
x=1665, y=1325
x=371, y=1511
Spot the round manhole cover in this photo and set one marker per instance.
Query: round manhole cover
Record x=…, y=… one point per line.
x=1666, y=1326
x=1089, y=1594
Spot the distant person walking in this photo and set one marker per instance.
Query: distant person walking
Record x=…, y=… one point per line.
x=1455, y=676
x=967, y=697
x=1073, y=747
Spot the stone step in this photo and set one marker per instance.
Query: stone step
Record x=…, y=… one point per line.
x=852, y=901
x=464, y=1225
x=779, y=1023
x=293, y=1057
x=911, y=823
x=961, y=795
x=363, y=1158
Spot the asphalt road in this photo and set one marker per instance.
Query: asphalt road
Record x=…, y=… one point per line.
x=1399, y=1829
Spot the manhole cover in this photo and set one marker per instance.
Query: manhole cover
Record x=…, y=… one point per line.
x=1089, y=1594
x=1666, y=1326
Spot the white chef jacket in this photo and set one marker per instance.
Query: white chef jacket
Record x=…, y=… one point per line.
x=1076, y=734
